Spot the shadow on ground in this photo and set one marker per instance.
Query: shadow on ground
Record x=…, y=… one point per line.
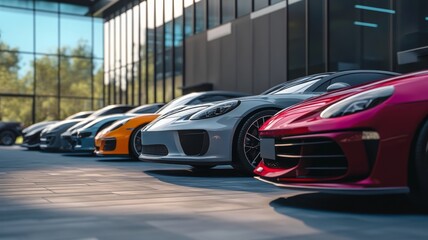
x=191, y=172
x=118, y=159
x=78, y=154
x=218, y=178
x=386, y=204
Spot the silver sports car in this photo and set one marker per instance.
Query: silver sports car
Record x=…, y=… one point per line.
x=227, y=133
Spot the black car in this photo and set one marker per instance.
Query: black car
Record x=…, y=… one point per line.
x=9, y=131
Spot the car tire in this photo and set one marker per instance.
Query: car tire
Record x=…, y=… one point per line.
x=135, y=143
x=7, y=138
x=248, y=144
x=418, y=170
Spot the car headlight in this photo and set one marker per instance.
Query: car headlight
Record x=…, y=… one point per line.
x=216, y=110
x=84, y=134
x=358, y=102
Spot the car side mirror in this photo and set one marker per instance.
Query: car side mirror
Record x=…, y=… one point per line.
x=337, y=86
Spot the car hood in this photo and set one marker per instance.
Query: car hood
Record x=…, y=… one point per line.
x=292, y=120
x=62, y=124
x=275, y=97
x=37, y=127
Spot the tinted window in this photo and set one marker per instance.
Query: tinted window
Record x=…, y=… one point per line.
x=117, y=110
x=360, y=78
x=212, y=98
x=146, y=109
x=300, y=84
x=323, y=87
x=298, y=88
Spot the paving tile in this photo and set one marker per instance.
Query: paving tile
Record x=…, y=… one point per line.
x=61, y=196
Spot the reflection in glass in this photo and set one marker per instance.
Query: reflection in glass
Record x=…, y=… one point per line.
x=275, y=1
x=73, y=9
x=47, y=6
x=112, y=87
x=135, y=30
x=168, y=63
x=159, y=76
x=150, y=54
x=117, y=56
x=46, y=32
x=137, y=86
x=47, y=108
x=316, y=51
x=228, y=10
x=11, y=34
x=46, y=75
x=122, y=35
x=200, y=15
x=17, y=3
x=76, y=74
x=98, y=38
x=297, y=39
x=118, y=89
x=16, y=109
x=98, y=78
x=76, y=34
x=130, y=88
x=188, y=12
x=143, y=53
x=73, y=105
x=106, y=46
x=129, y=36
x=412, y=33
x=244, y=7
x=259, y=4
x=123, y=86
x=213, y=13
x=112, y=50
x=178, y=48
x=16, y=72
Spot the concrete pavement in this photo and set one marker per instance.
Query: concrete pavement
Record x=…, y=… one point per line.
x=66, y=196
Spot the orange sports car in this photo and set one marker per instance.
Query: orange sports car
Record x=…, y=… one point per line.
x=124, y=137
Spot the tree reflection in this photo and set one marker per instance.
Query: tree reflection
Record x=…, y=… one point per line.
x=73, y=74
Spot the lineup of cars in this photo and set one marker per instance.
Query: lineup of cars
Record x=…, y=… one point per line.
x=353, y=132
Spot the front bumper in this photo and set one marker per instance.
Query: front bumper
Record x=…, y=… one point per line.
x=53, y=142
x=368, y=165
x=86, y=144
x=109, y=145
x=190, y=147
x=31, y=141
x=338, y=188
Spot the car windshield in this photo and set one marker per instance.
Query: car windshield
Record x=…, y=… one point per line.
x=100, y=112
x=178, y=102
x=296, y=85
x=299, y=88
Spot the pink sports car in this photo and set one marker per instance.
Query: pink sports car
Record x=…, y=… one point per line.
x=370, y=139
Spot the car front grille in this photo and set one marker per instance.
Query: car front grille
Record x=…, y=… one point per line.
x=194, y=142
x=110, y=144
x=33, y=139
x=309, y=158
x=156, y=149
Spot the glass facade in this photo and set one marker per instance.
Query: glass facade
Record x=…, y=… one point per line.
x=156, y=74
x=51, y=60
x=135, y=54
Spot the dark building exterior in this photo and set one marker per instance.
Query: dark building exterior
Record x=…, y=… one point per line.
x=59, y=57
x=155, y=48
